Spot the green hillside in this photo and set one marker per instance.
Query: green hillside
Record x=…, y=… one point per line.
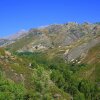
x=40, y=76
x=57, y=62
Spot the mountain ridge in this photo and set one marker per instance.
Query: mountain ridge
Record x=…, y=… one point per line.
x=68, y=36
x=57, y=62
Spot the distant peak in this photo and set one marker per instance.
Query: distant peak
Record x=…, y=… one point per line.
x=18, y=34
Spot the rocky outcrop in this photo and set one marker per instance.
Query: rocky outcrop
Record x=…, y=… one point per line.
x=81, y=50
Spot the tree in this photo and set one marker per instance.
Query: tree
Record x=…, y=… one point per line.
x=79, y=96
x=10, y=90
x=58, y=78
x=88, y=88
x=41, y=83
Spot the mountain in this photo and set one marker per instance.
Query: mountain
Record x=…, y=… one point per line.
x=3, y=42
x=18, y=35
x=75, y=38
x=56, y=62
x=11, y=39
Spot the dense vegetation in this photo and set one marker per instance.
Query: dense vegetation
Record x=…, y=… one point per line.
x=9, y=90
x=63, y=74
x=44, y=78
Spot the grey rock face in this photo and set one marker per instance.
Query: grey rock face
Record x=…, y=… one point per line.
x=81, y=50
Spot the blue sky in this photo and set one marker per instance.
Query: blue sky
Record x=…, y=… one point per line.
x=16, y=15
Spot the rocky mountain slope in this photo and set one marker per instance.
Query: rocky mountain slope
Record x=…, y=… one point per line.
x=72, y=38
x=3, y=41
x=56, y=62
